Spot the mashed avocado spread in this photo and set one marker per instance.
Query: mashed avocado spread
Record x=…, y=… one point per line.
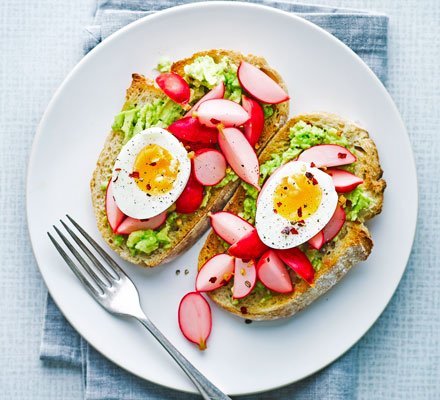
x=204, y=71
x=160, y=112
x=150, y=240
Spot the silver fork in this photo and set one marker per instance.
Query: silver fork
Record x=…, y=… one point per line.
x=118, y=295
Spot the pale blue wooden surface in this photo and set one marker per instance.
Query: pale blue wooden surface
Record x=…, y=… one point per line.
x=40, y=41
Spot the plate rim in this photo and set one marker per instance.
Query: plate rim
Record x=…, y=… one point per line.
x=208, y=4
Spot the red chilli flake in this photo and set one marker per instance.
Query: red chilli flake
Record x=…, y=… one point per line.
x=117, y=169
x=243, y=310
x=301, y=222
x=213, y=279
x=275, y=211
x=312, y=164
x=348, y=203
x=153, y=164
x=314, y=181
x=300, y=212
x=134, y=174
x=279, y=204
x=215, y=121
x=309, y=175
x=116, y=179
x=342, y=155
x=293, y=231
x=285, y=230
x=148, y=186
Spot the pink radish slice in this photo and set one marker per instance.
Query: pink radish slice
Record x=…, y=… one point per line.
x=229, y=227
x=273, y=273
x=299, y=262
x=175, y=87
x=248, y=247
x=191, y=197
x=195, y=319
x=327, y=155
x=245, y=278
x=209, y=167
x=334, y=225
x=240, y=155
x=317, y=241
x=344, y=181
x=114, y=214
x=260, y=85
x=191, y=130
x=216, y=93
x=254, y=127
x=221, y=111
x=216, y=272
x=129, y=224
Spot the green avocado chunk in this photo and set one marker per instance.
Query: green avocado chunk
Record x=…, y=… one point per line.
x=204, y=71
x=161, y=113
x=150, y=240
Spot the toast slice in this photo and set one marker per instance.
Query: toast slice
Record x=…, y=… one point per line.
x=354, y=242
x=141, y=92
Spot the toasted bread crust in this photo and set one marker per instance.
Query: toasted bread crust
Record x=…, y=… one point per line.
x=354, y=244
x=142, y=91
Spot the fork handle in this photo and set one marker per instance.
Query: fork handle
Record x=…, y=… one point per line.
x=205, y=387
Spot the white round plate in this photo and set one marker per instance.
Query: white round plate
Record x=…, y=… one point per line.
x=321, y=74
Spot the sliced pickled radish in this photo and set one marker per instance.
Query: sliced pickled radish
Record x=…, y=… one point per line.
x=245, y=278
x=175, y=87
x=299, y=262
x=195, y=319
x=209, y=166
x=260, y=85
x=317, y=241
x=190, y=129
x=215, y=93
x=273, y=273
x=114, y=215
x=327, y=155
x=240, y=155
x=254, y=127
x=221, y=111
x=191, y=197
x=216, y=272
x=334, y=225
x=248, y=247
x=344, y=181
x=129, y=224
x=229, y=227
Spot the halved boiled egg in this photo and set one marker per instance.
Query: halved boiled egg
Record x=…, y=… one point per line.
x=294, y=204
x=150, y=173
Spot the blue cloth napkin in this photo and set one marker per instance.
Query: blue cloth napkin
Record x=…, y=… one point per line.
x=366, y=34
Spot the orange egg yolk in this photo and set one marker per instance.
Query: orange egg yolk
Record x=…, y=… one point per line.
x=297, y=197
x=155, y=170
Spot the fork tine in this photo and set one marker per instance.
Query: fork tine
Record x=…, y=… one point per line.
x=74, y=268
x=89, y=254
x=115, y=267
x=81, y=260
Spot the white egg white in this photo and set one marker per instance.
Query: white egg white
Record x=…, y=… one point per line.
x=133, y=201
x=270, y=225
